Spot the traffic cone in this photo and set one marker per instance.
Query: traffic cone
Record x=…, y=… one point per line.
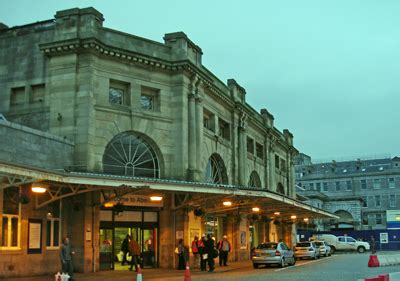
x=139, y=273
x=373, y=261
x=187, y=272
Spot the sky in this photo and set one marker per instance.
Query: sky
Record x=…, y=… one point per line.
x=329, y=71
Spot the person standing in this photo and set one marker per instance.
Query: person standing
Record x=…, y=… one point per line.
x=134, y=251
x=224, y=248
x=202, y=252
x=66, y=254
x=195, y=251
x=210, y=250
x=373, y=245
x=181, y=255
x=125, y=249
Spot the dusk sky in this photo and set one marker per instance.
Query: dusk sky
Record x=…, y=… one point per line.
x=329, y=71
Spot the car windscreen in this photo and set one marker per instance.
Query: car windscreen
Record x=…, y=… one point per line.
x=319, y=243
x=304, y=244
x=267, y=246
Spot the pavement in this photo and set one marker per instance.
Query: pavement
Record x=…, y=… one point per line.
x=147, y=274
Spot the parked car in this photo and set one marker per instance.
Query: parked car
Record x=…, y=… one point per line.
x=324, y=248
x=273, y=253
x=306, y=250
x=342, y=243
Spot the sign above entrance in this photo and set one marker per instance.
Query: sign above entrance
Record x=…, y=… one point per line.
x=136, y=200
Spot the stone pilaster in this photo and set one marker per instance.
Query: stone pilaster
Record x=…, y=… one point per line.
x=192, y=137
x=242, y=156
x=199, y=136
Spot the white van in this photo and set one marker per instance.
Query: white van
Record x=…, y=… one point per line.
x=342, y=243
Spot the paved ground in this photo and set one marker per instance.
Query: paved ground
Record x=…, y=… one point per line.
x=341, y=267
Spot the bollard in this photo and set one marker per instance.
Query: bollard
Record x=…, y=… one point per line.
x=139, y=273
x=58, y=276
x=65, y=277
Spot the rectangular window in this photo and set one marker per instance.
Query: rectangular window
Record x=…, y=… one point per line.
x=318, y=186
x=337, y=185
x=377, y=200
x=224, y=129
x=311, y=186
x=17, y=96
x=365, y=219
x=208, y=120
x=376, y=183
x=348, y=186
x=363, y=184
x=283, y=165
x=118, y=93
x=53, y=231
x=10, y=218
x=37, y=93
x=259, y=150
x=277, y=161
x=391, y=183
x=392, y=200
x=149, y=98
x=250, y=145
x=325, y=186
x=365, y=201
x=378, y=218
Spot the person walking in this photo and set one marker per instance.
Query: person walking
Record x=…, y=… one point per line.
x=125, y=249
x=181, y=255
x=134, y=252
x=195, y=251
x=224, y=248
x=66, y=254
x=202, y=252
x=210, y=251
x=373, y=245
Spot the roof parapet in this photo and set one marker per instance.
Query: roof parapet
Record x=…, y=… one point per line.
x=267, y=117
x=183, y=48
x=238, y=93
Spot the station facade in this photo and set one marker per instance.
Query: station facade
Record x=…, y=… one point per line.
x=105, y=122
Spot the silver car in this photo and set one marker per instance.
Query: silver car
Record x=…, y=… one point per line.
x=324, y=248
x=273, y=253
x=306, y=250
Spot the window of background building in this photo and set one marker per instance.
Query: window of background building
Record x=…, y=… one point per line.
x=348, y=186
x=17, y=96
x=392, y=200
x=259, y=150
x=363, y=184
x=37, y=93
x=250, y=145
x=377, y=200
x=391, y=183
x=365, y=219
x=53, y=226
x=10, y=218
x=325, y=186
x=311, y=186
x=318, y=186
x=208, y=120
x=378, y=218
x=365, y=201
x=283, y=165
x=376, y=183
x=337, y=185
x=149, y=98
x=118, y=93
x=277, y=161
x=224, y=129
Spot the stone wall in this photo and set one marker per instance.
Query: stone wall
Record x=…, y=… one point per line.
x=23, y=145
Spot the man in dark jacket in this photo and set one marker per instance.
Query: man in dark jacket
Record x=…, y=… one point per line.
x=125, y=249
x=202, y=251
x=224, y=248
x=66, y=254
x=210, y=250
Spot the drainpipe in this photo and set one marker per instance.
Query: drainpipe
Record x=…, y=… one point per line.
x=93, y=242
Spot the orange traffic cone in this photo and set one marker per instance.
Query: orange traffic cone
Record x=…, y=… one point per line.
x=187, y=272
x=373, y=261
x=139, y=274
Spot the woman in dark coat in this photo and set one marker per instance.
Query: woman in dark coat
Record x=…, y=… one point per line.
x=210, y=250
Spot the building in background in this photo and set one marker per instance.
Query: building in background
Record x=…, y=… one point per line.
x=364, y=193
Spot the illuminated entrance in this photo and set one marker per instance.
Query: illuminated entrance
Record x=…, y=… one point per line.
x=141, y=225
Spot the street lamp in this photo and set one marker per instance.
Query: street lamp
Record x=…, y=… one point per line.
x=277, y=213
x=38, y=188
x=227, y=203
x=305, y=219
x=256, y=209
x=293, y=217
x=156, y=198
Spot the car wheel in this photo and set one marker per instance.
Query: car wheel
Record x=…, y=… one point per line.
x=282, y=263
x=333, y=250
x=255, y=265
x=361, y=249
x=293, y=263
x=326, y=254
x=315, y=257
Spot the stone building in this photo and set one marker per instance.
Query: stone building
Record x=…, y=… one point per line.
x=364, y=193
x=125, y=135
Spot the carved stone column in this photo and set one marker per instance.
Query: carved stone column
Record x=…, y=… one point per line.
x=242, y=149
x=199, y=137
x=191, y=137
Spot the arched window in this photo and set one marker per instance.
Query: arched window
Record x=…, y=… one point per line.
x=129, y=154
x=280, y=188
x=216, y=171
x=254, y=180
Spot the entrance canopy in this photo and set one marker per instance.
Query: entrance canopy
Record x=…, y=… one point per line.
x=191, y=195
